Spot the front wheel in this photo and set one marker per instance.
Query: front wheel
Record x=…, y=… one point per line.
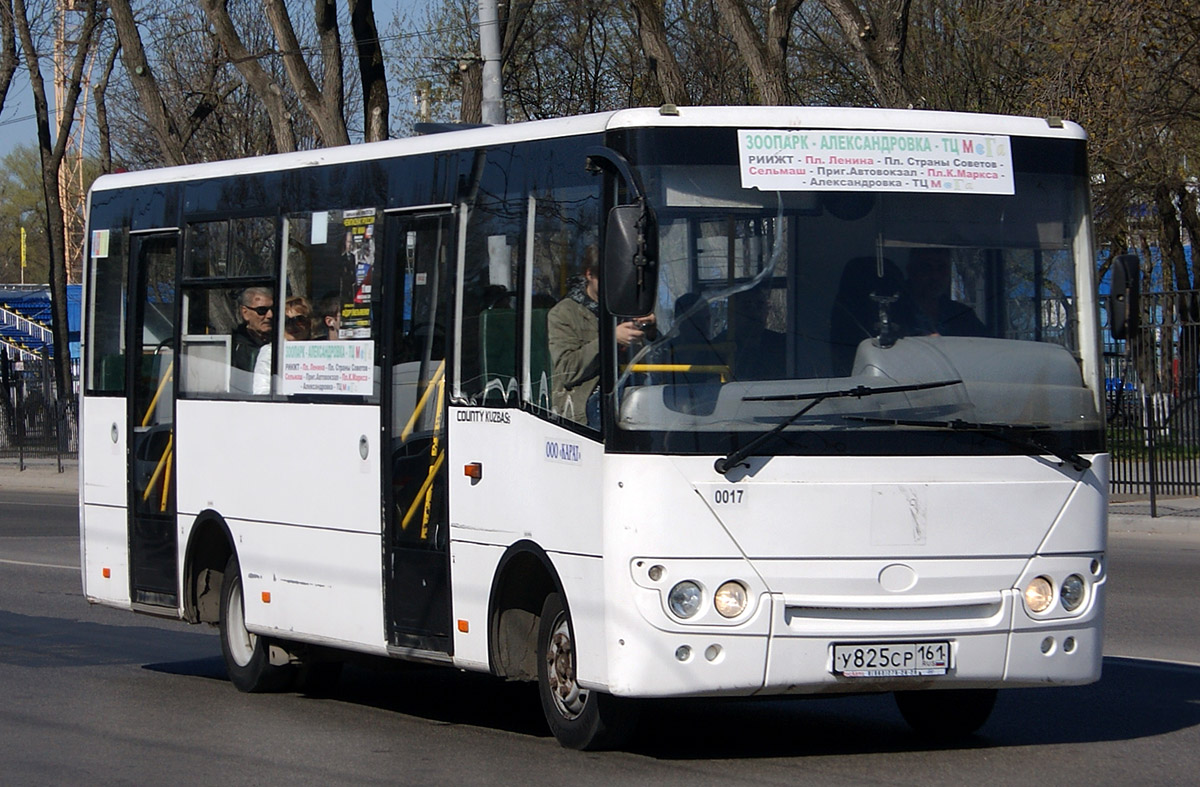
x=947, y=714
x=247, y=655
x=579, y=718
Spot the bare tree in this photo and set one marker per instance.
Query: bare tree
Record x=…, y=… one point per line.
x=263, y=84
x=652, y=33
x=8, y=49
x=371, y=70
x=52, y=149
x=877, y=31
x=324, y=104
x=99, y=94
x=765, y=55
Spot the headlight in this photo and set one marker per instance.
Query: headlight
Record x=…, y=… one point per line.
x=1039, y=594
x=1072, y=592
x=684, y=599
x=730, y=599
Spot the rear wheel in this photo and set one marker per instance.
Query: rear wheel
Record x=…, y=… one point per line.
x=946, y=715
x=247, y=655
x=579, y=718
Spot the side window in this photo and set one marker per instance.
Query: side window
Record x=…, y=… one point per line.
x=562, y=357
x=106, y=313
x=489, y=316
x=229, y=305
x=328, y=322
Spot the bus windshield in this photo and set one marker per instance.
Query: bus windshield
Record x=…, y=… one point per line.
x=957, y=307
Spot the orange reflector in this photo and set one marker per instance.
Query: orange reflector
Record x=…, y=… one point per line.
x=266, y=597
x=463, y=626
x=474, y=470
x=107, y=572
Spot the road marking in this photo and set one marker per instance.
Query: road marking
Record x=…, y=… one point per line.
x=38, y=565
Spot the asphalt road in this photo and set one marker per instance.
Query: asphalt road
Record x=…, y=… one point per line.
x=103, y=696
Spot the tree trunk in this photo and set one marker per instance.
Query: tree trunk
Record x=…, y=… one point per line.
x=652, y=33
x=267, y=90
x=371, y=70
x=324, y=106
x=100, y=92
x=52, y=155
x=8, y=49
x=1170, y=245
x=765, y=57
x=879, y=44
x=133, y=55
x=470, y=74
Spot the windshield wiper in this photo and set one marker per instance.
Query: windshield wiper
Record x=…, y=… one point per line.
x=1005, y=433
x=725, y=464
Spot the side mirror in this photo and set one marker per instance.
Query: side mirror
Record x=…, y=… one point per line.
x=631, y=260
x=1124, y=308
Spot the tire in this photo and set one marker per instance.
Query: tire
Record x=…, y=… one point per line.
x=946, y=715
x=579, y=718
x=247, y=655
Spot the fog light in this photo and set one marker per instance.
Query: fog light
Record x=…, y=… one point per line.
x=1072, y=592
x=684, y=599
x=683, y=652
x=730, y=599
x=1039, y=594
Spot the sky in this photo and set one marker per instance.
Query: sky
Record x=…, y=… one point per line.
x=17, y=124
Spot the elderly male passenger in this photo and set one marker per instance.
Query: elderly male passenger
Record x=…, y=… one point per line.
x=257, y=307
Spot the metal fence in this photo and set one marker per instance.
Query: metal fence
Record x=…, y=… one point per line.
x=35, y=422
x=1153, y=400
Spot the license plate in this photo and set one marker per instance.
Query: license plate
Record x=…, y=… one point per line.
x=891, y=660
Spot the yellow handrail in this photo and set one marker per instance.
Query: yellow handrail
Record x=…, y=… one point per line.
x=424, y=496
x=434, y=382
x=162, y=384
x=435, y=452
x=163, y=463
x=719, y=369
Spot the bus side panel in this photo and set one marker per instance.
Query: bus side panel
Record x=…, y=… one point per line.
x=303, y=505
x=280, y=462
x=105, y=555
x=103, y=517
x=102, y=475
x=540, y=483
x=312, y=584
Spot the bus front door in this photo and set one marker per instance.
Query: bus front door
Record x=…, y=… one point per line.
x=153, y=561
x=416, y=525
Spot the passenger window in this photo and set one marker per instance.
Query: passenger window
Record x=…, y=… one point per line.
x=328, y=318
x=561, y=380
x=229, y=304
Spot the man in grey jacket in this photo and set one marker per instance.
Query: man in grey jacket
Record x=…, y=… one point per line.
x=573, y=332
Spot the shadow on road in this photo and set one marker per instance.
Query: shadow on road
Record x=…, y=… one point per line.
x=1136, y=698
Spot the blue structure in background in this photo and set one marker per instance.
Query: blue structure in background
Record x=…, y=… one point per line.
x=26, y=318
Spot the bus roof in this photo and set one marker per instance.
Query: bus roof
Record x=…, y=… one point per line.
x=740, y=117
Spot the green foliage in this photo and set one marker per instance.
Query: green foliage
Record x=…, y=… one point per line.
x=22, y=204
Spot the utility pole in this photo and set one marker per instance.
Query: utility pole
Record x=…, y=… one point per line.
x=492, y=104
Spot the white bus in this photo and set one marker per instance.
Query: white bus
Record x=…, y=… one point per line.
x=652, y=403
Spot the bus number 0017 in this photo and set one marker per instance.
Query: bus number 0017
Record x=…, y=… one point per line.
x=726, y=497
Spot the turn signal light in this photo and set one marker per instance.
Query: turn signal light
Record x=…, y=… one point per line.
x=474, y=471
x=106, y=572
x=266, y=596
